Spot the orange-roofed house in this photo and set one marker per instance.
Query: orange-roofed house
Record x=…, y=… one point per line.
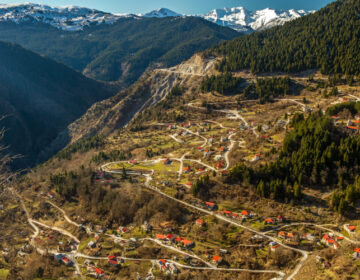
x=290, y=235
x=222, y=149
x=187, y=169
x=226, y=213
x=99, y=272
x=200, y=223
x=160, y=237
x=245, y=213
x=281, y=234
x=188, y=185
x=216, y=260
x=356, y=253
x=350, y=228
x=274, y=247
x=178, y=239
x=269, y=221
x=188, y=243
x=210, y=205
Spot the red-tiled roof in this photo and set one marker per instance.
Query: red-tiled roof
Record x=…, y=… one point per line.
x=200, y=221
x=112, y=262
x=98, y=271
x=245, y=213
x=269, y=220
x=160, y=236
x=357, y=250
x=216, y=258
x=186, y=242
x=111, y=257
x=351, y=227
x=210, y=203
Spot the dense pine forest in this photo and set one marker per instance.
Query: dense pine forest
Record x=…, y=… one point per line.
x=316, y=154
x=328, y=40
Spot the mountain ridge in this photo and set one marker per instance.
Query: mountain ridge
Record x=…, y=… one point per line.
x=75, y=18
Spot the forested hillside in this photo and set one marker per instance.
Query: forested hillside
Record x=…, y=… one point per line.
x=328, y=40
x=123, y=50
x=39, y=98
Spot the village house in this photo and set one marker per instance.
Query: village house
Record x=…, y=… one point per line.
x=161, y=237
x=280, y=219
x=349, y=228
x=216, y=260
x=134, y=162
x=187, y=243
x=187, y=169
x=188, y=185
x=171, y=126
x=146, y=227
x=91, y=244
x=356, y=254
x=274, y=246
x=329, y=241
x=51, y=195
x=219, y=165
x=222, y=149
x=211, y=206
x=232, y=131
x=97, y=272
x=167, y=161
x=218, y=157
x=308, y=237
x=269, y=221
x=200, y=223
x=256, y=158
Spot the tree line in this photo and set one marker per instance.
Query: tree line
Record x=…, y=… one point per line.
x=328, y=40
x=315, y=154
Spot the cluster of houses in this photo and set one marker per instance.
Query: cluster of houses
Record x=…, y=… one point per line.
x=167, y=267
x=332, y=241
x=279, y=219
x=115, y=261
x=242, y=216
x=67, y=246
x=177, y=240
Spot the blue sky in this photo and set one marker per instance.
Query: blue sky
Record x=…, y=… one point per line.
x=182, y=6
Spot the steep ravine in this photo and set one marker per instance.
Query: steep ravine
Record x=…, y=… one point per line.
x=116, y=112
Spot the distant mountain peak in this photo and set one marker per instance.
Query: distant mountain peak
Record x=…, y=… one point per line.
x=162, y=12
x=74, y=18
x=244, y=20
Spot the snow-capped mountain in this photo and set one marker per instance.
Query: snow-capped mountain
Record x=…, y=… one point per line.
x=74, y=18
x=70, y=18
x=160, y=13
x=243, y=20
